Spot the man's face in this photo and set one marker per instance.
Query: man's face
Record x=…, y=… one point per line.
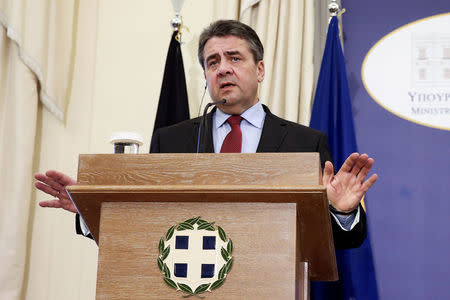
x=231, y=73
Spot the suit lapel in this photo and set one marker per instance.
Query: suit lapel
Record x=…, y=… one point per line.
x=273, y=133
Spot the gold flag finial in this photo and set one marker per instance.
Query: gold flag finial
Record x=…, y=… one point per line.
x=177, y=21
x=178, y=26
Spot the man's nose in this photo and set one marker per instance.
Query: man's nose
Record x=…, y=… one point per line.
x=225, y=69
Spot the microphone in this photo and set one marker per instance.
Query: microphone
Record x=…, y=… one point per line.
x=202, y=135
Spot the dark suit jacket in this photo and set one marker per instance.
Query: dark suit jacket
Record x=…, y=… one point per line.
x=278, y=135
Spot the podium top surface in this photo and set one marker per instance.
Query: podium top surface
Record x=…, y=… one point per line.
x=277, y=169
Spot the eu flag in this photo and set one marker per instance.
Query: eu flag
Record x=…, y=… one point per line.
x=332, y=114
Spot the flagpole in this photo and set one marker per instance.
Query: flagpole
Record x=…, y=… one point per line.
x=173, y=104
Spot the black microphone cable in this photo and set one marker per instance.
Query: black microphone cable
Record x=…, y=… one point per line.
x=201, y=102
x=201, y=135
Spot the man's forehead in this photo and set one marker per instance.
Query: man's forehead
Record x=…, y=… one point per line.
x=229, y=43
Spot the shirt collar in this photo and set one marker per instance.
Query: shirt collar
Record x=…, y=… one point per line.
x=254, y=115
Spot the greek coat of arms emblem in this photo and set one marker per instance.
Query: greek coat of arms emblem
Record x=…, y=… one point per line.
x=195, y=256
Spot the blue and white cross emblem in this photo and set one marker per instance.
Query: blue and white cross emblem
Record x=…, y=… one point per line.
x=195, y=256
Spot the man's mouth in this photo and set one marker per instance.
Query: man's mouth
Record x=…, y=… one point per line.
x=227, y=84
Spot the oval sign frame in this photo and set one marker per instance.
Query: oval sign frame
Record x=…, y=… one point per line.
x=426, y=96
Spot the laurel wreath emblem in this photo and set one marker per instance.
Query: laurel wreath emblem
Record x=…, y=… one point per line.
x=226, y=255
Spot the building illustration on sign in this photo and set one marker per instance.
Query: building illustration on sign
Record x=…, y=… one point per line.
x=431, y=59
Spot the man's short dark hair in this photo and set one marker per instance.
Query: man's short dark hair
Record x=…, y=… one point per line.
x=223, y=28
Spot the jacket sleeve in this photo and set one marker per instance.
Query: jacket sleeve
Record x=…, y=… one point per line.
x=352, y=238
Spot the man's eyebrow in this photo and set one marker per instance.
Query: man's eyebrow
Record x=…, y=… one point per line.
x=232, y=52
x=214, y=55
x=227, y=53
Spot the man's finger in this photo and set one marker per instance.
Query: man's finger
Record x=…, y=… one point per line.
x=328, y=172
x=349, y=162
x=50, y=182
x=57, y=185
x=56, y=203
x=369, y=182
x=44, y=178
x=365, y=170
x=61, y=178
x=51, y=203
x=359, y=164
x=46, y=189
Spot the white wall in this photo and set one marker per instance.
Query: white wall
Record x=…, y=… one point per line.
x=133, y=38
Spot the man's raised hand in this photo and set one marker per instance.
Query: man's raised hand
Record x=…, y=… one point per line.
x=54, y=183
x=346, y=189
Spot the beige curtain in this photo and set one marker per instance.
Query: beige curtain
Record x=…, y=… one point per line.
x=18, y=106
x=43, y=31
x=286, y=29
x=36, y=54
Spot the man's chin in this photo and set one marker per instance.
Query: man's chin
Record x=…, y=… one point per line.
x=229, y=100
x=227, y=96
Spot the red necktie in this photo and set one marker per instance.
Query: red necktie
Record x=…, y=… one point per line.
x=233, y=141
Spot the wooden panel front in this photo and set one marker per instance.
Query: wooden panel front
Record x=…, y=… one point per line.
x=200, y=169
x=264, y=250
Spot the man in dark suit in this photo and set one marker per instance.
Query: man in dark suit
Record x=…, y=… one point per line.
x=231, y=55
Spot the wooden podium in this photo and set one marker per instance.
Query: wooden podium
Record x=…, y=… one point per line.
x=272, y=205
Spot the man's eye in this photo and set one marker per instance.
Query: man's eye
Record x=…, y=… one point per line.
x=235, y=59
x=212, y=63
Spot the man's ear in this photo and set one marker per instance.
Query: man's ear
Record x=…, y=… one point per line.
x=260, y=70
